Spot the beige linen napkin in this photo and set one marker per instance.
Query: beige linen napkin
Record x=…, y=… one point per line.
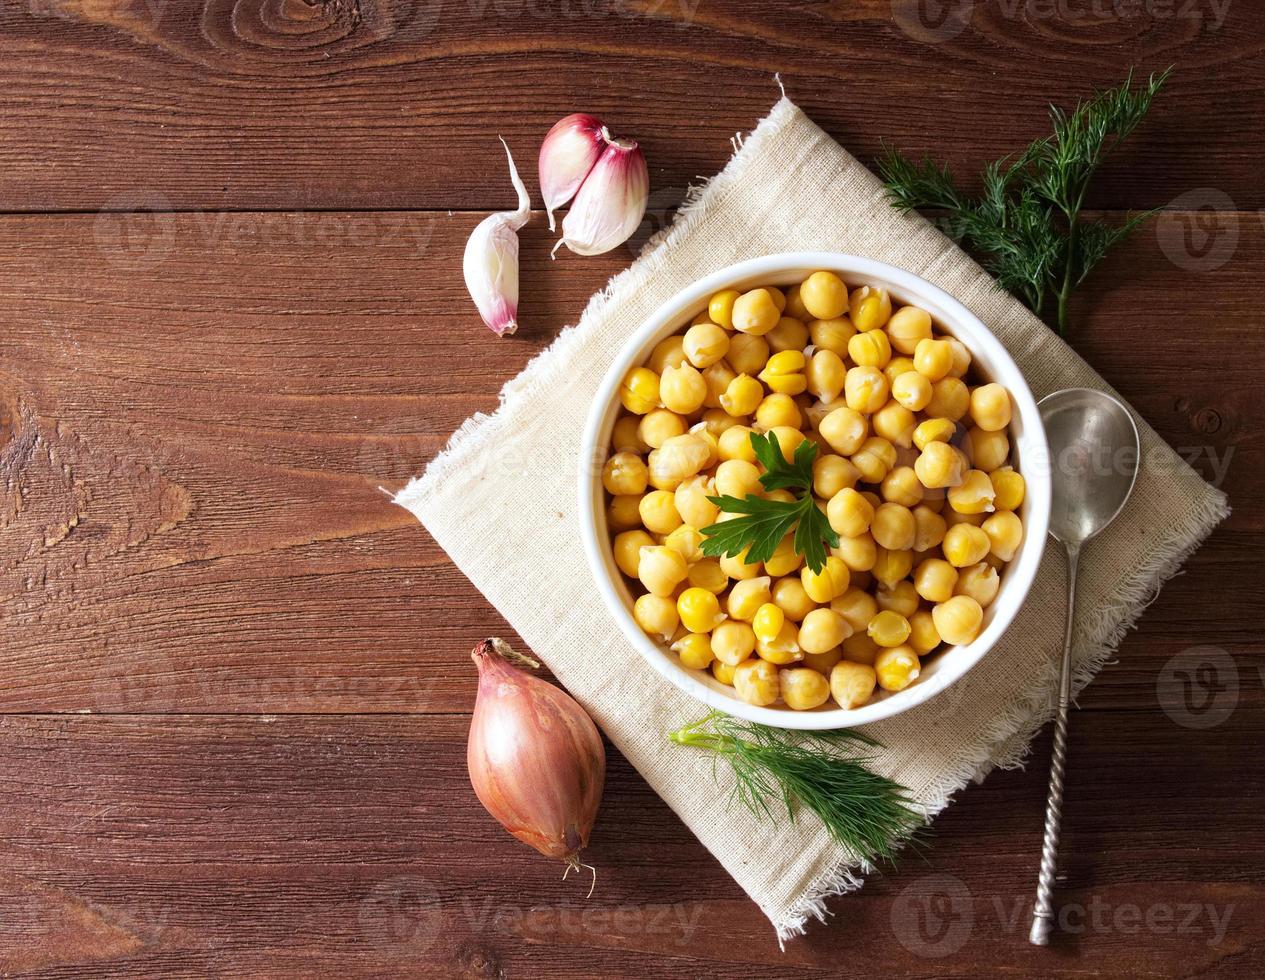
x=501, y=500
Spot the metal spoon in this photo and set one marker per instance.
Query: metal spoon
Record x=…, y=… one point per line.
x=1094, y=455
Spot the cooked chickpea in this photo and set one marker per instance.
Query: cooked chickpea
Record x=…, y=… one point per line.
x=623, y=512
x=737, y=567
x=795, y=304
x=823, y=662
x=656, y=615
x=694, y=649
x=832, y=335
x=832, y=474
x=934, y=430
x=625, y=474
x=682, y=389
x=669, y=352
x=849, y=513
x=788, y=439
x=706, y=573
x=678, y=459
x=737, y=478
x=661, y=569
x=852, y=684
x=933, y=359
x=756, y=682
x=912, y=390
x=901, y=486
x=965, y=544
x=844, y=430
x=897, y=667
x=792, y=598
x=778, y=409
x=865, y=389
x=907, y=326
x=691, y=500
x=929, y=528
x=746, y=597
x=701, y=430
x=742, y=396
x=639, y=392
x=660, y=425
x=988, y=450
x=870, y=349
x=974, y=495
x=822, y=629
x=938, y=466
x=785, y=559
x=950, y=399
x=747, y=354
x=768, y=621
x=784, y=373
x=935, y=580
x=824, y=585
x=705, y=344
x=783, y=648
x=859, y=649
x=722, y=671
x=735, y=443
x=788, y=334
x=755, y=312
x=824, y=295
x=717, y=377
x=874, y=459
x=857, y=607
x=1008, y=488
x=869, y=307
x=958, y=621
x=981, y=582
x=732, y=642
x=890, y=566
x=961, y=358
x=720, y=308
x=895, y=423
x=888, y=629
x=658, y=512
x=627, y=550
x=858, y=552
x=900, y=598
x=990, y=407
x=893, y=527
x=923, y=636
x=625, y=437
x=687, y=540
x=825, y=375
x=1005, y=532
x=803, y=688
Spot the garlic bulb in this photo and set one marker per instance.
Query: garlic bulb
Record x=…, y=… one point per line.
x=610, y=202
x=490, y=264
x=567, y=155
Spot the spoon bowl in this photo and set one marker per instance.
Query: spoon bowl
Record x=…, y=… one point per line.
x=1094, y=453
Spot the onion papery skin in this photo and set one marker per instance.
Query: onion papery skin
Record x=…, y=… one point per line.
x=536, y=759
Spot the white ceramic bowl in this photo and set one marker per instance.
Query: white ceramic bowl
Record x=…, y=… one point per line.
x=990, y=360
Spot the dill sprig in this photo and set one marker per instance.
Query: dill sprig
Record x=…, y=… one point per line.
x=764, y=523
x=1027, y=224
x=825, y=772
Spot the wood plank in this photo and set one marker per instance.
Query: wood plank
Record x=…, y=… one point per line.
x=394, y=104
x=194, y=437
x=188, y=846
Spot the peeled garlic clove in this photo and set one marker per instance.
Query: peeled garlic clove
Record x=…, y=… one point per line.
x=490, y=264
x=567, y=155
x=610, y=203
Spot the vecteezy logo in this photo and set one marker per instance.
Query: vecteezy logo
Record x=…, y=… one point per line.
x=1199, y=230
x=933, y=916
x=932, y=21
x=402, y=912
x=135, y=230
x=1199, y=688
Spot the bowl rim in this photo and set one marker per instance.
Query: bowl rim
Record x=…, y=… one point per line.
x=1021, y=572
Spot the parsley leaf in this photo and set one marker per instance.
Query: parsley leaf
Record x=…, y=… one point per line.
x=764, y=523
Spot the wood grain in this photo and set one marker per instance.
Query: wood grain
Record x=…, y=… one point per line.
x=262, y=104
x=302, y=845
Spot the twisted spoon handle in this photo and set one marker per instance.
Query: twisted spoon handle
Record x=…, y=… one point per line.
x=1043, y=909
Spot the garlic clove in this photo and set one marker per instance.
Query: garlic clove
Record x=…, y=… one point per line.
x=567, y=155
x=490, y=264
x=610, y=202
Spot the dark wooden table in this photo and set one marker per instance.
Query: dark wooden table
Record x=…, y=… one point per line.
x=236, y=679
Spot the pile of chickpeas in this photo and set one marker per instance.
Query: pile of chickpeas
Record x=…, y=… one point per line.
x=911, y=471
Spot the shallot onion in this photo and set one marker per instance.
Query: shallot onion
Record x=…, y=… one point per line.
x=535, y=757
